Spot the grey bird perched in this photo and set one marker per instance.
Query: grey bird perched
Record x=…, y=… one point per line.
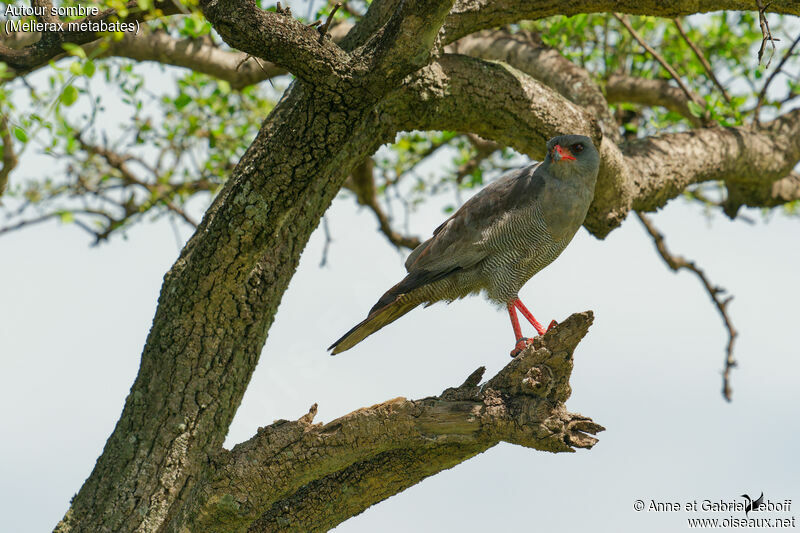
x=497, y=240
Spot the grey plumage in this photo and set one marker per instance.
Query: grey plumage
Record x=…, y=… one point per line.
x=498, y=239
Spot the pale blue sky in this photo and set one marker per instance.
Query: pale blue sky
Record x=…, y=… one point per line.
x=75, y=319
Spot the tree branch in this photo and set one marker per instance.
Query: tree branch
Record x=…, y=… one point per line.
x=469, y=16
x=291, y=474
x=277, y=37
x=676, y=263
x=527, y=53
x=515, y=110
x=650, y=92
x=51, y=43
x=237, y=68
x=745, y=158
x=406, y=42
x=763, y=93
x=663, y=62
x=362, y=183
x=702, y=58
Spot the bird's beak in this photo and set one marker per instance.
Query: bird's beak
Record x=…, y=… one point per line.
x=560, y=153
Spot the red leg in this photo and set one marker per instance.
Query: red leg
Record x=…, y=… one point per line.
x=521, y=342
x=527, y=314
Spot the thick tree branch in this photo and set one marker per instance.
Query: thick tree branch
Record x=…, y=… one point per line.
x=277, y=37
x=748, y=159
x=51, y=43
x=408, y=39
x=288, y=475
x=676, y=263
x=517, y=111
x=469, y=16
x=650, y=92
x=527, y=53
x=237, y=68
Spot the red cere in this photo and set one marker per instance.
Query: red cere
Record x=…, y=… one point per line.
x=564, y=153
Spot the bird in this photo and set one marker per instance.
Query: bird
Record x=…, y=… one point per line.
x=496, y=241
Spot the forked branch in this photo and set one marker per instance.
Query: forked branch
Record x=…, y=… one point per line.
x=301, y=476
x=675, y=263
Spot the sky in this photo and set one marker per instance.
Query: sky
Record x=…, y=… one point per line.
x=74, y=318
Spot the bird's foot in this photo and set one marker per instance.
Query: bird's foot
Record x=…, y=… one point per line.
x=522, y=343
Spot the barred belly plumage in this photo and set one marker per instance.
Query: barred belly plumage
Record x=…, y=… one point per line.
x=522, y=246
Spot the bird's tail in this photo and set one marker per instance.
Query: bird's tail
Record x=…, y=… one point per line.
x=378, y=317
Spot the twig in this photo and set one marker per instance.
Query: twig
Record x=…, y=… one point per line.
x=689, y=94
x=323, y=30
x=763, y=94
x=766, y=34
x=362, y=183
x=483, y=150
x=676, y=263
x=702, y=58
x=328, y=240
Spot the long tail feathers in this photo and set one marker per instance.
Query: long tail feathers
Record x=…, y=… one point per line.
x=375, y=321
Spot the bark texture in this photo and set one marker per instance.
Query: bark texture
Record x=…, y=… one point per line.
x=300, y=476
x=163, y=468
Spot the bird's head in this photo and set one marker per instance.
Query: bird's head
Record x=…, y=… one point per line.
x=572, y=155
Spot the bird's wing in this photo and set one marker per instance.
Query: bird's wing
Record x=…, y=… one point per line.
x=758, y=502
x=458, y=242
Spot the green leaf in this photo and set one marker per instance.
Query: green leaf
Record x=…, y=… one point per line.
x=182, y=101
x=88, y=69
x=696, y=109
x=76, y=68
x=74, y=50
x=69, y=96
x=66, y=217
x=20, y=134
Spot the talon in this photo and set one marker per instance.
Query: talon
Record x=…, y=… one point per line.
x=522, y=343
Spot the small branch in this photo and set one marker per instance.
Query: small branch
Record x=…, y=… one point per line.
x=676, y=263
x=301, y=476
x=327, y=245
x=51, y=44
x=323, y=30
x=763, y=94
x=766, y=34
x=650, y=92
x=197, y=55
x=702, y=58
x=279, y=37
x=663, y=62
x=362, y=183
x=483, y=149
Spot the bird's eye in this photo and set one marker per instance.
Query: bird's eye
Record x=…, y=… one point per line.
x=578, y=148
